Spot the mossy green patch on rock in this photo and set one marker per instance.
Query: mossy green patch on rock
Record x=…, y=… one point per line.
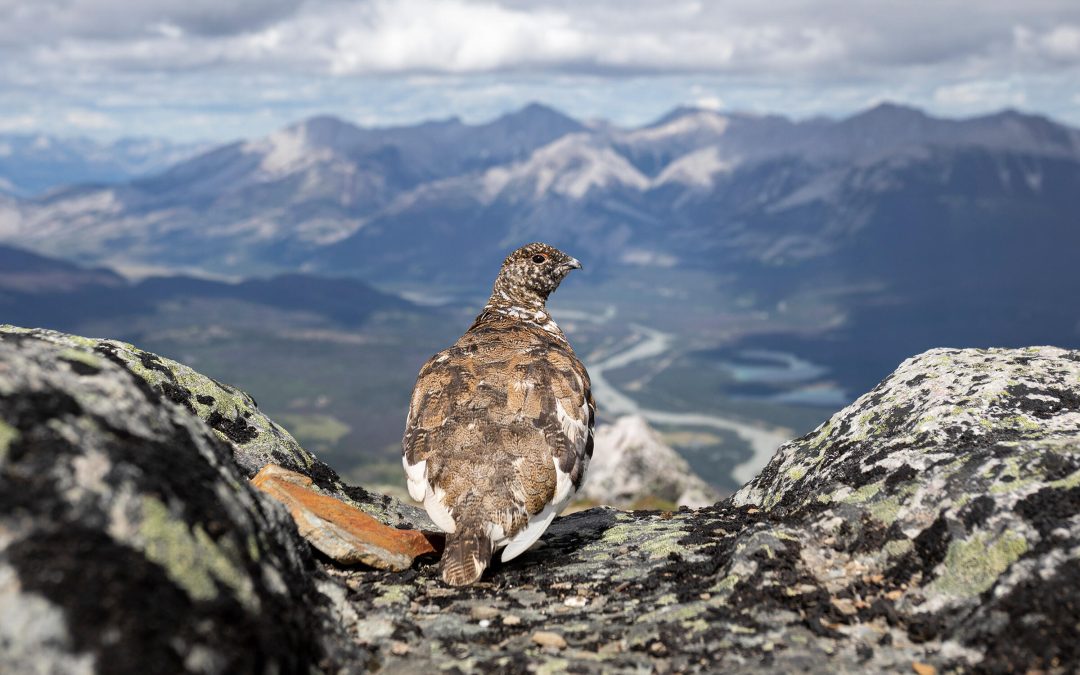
x=620, y=534
x=727, y=583
x=1013, y=476
x=1070, y=481
x=81, y=356
x=973, y=565
x=673, y=613
x=885, y=510
x=8, y=435
x=864, y=493
x=664, y=542
x=898, y=547
x=190, y=557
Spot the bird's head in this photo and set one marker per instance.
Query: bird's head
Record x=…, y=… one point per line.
x=532, y=273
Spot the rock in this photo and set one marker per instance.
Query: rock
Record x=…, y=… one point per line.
x=546, y=638
x=131, y=542
x=934, y=521
x=233, y=415
x=483, y=612
x=631, y=463
x=932, y=524
x=340, y=531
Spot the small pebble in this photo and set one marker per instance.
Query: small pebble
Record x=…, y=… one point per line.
x=483, y=612
x=511, y=620
x=484, y=623
x=548, y=639
x=399, y=648
x=576, y=601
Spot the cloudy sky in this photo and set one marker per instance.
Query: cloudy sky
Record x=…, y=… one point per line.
x=218, y=69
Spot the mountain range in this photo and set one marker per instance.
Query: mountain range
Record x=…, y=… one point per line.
x=697, y=187
x=792, y=262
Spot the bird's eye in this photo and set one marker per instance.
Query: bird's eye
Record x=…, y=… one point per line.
x=538, y=258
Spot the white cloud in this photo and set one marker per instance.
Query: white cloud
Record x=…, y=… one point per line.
x=830, y=39
x=709, y=103
x=1063, y=42
x=979, y=94
x=454, y=36
x=15, y=123
x=399, y=60
x=1060, y=43
x=88, y=119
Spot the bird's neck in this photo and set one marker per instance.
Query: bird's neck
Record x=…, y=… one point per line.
x=506, y=293
x=526, y=307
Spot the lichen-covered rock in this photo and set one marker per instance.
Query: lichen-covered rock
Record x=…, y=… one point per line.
x=131, y=542
x=932, y=524
x=255, y=439
x=956, y=485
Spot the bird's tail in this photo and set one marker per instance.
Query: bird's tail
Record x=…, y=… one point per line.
x=466, y=555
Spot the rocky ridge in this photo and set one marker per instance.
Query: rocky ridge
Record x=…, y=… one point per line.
x=934, y=523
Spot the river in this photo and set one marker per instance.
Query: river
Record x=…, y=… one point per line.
x=762, y=440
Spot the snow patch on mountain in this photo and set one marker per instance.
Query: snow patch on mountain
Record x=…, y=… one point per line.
x=93, y=202
x=10, y=218
x=696, y=169
x=570, y=166
x=287, y=151
x=700, y=122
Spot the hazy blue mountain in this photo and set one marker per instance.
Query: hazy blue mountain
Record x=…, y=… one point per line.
x=814, y=226
x=36, y=290
x=263, y=204
x=696, y=186
x=31, y=164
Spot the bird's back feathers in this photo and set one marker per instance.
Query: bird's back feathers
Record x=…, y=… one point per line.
x=498, y=437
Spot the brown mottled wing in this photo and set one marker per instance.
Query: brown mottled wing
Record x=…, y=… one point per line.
x=500, y=424
x=429, y=410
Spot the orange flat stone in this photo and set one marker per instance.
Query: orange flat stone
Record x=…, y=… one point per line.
x=342, y=532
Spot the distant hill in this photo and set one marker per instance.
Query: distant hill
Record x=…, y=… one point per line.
x=31, y=164
x=36, y=290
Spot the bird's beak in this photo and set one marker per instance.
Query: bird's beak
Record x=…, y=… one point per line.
x=573, y=264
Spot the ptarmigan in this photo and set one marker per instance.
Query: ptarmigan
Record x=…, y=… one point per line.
x=500, y=427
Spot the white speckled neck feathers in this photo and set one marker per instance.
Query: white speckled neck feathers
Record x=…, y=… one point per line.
x=527, y=277
x=531, y=316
